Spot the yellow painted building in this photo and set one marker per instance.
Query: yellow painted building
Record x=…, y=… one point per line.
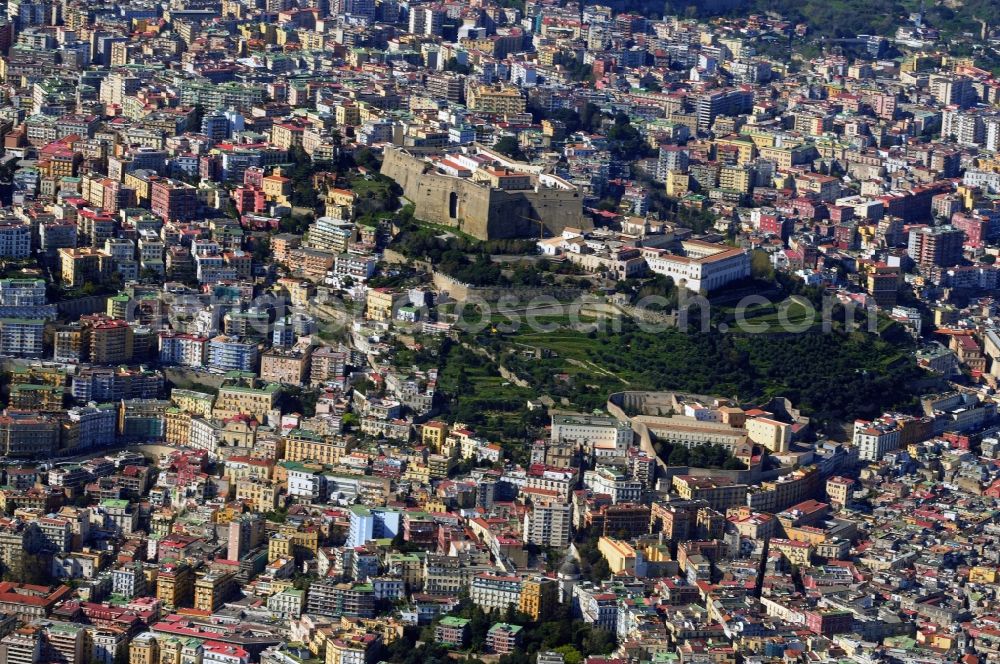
x=305, y=536
x=980, y=574
x=720, y=493
x=235, y=400
x=196, y=403
x=381, y=304
x=239, y=468
x=772, y=434
x=213, y=589
x=504, y=100
x=299, y=291
x=261, y=494
x=806, y=534
x=38, y=398
x=144, y=649
x=81, y=264
x=177, y=427
x=433, y=433
x=746, y=147
x=350, y=648
x=736, y=178
x=348, y=115
x=538, y=596
x=678, y=184
x=286, y=135
x=142, y=186
x=307, y=446
x=797, y=553
x=620, y=555
x=171, y=650
x=419, y=473
x=175, y=585
x=279, y=547
x=277, y=188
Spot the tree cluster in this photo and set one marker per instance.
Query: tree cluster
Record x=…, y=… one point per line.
x=832, y=377
x=701, y=456
x=625, y=141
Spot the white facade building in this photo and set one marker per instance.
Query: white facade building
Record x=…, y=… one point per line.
x=602, y=436
x=703, y=266
x=875, y=439
x=548, y=524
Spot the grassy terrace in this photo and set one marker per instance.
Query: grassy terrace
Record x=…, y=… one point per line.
x=479, y=396
x=834, y=377
x=769, y=318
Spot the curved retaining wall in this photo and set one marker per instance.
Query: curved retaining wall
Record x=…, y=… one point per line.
x=659, y=403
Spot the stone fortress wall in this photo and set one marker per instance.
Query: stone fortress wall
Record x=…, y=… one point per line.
x=479, y=210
